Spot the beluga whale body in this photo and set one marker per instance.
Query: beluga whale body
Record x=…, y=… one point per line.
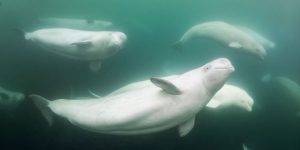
x=163, y=105
x=226, y=34
x=80, y=45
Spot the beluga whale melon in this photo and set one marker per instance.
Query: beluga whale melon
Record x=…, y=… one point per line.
x=226, y=34
x=163, y=105
x=88, y=46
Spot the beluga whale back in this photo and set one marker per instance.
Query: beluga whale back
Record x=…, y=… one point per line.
x=163, y=105
x=226, y=34
x=80, y=45
x=74, y=23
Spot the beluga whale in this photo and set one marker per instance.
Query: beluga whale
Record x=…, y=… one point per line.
x=88, y=46
x=163, y=105
x=226, y=34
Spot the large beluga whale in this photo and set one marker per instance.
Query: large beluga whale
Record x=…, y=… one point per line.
x=78, y=44
x=163, y=105
x=226, y=34
x=10, y=100
x=74, y=23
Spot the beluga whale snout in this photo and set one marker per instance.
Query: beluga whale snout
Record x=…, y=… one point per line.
x=164, y=103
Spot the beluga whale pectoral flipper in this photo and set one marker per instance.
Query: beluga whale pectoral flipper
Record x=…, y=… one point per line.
x=88, y=46
x=165, y=103
x=226, y=34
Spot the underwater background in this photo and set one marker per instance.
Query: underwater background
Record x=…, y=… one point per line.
x=152, y=26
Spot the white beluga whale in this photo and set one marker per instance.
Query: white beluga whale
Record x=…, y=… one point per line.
x=163, y=105
x=260, y=38
x=10, y=100
x=226, y=34
x=231, y=95
x=73, y=23
x=80, y=45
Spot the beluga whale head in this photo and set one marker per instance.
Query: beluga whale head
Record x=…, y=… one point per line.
x=216, y=73
x=116, y=43
x=256, y=49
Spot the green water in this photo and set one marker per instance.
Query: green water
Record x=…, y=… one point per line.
x=152, y=27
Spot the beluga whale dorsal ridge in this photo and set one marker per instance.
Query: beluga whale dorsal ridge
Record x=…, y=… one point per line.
x=78, y=44
x=226, y=34
x=75, y=23
x=165, y=104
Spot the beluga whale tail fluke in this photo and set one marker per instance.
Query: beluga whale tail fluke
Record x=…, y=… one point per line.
x=42, y=104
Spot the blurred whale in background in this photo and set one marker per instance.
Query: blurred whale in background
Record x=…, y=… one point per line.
x=226, y=34
x=78, y=44
x=10, y=100
x=163, y=105
x=72, y=23
x=231, y=95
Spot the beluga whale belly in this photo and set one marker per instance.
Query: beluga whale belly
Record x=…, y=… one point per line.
x=226, y=34
x=80, y=45
x=163, y=105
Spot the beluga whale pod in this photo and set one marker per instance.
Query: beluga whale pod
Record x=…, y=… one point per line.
x=226, y=34
x=163, y=105
x=78, y=44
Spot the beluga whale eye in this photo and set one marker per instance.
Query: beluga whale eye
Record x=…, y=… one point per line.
x=207, y=67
